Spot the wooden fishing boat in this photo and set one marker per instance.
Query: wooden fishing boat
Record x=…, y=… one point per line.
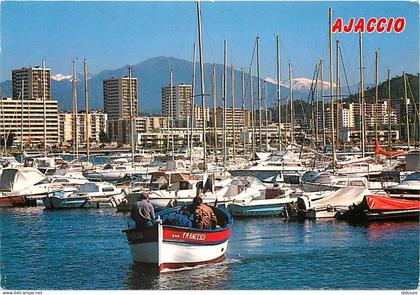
x=167, y=247
x=380, y=207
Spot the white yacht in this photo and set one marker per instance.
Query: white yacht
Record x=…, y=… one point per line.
x=409, y=188
x=89, y=195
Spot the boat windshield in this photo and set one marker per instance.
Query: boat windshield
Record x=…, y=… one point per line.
x=413, y=176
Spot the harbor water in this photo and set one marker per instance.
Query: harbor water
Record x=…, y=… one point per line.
x=85, y=249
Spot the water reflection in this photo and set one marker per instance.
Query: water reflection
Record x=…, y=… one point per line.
x=379, y=230
x=209, y=277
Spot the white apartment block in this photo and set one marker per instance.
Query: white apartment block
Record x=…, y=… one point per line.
x=97, y=123
x=25, y=119
x=240, y=117
x=179, y=108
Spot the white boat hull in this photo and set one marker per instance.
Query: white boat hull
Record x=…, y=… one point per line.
x=272, y=207
x=166, y=247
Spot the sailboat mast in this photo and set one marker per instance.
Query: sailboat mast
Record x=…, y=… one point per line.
x=232, y=81
x=313, y=94
x=331, y=91
x=389, y=108
x=278, y=88
x=172, y=112
x=21, y=117
x=376, y=95
x=203, y=101
x=192, y=107
x=362, y=96
x=243, y=109
x=407, y=121
x=224, y=100
x=213, y=92
x=259, y=94
x=266, y=114
x=252, y=110
x=324, y=138
x=337, y=89
x=132, y=126
x=292, y=131
x=74, y=102
x=316, y=109
x=45, y=106
x=87, y=110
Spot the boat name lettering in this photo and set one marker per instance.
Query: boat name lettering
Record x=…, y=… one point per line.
x=194, y=236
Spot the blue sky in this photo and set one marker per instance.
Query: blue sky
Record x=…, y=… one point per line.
x=114, y=34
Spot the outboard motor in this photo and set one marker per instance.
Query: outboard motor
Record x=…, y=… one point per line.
x=303, y=203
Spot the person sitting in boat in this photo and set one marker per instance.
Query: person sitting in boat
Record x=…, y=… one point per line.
x=142, y=212
x=204, y=217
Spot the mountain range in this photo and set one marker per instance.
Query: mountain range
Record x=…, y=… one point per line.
x=153, y=73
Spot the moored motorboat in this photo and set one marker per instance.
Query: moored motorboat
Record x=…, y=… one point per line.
x=380, y=207
x=259, y=208
x=409, y=188
x=18, y=187
x=167, y=247
x=89, y=195
x=331, y=204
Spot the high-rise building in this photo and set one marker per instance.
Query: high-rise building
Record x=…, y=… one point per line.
x=24, y=119
x=34, y=81
x=241, y=119
x=180, y=107
x=117, y=103
x=98, y=123
x=347, y=115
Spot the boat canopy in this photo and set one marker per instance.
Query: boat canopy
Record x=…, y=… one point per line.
x=345, y=196
x=89, y=187
x=412, y=177
x=17, y=179
x=384, y=203
x=69, y=172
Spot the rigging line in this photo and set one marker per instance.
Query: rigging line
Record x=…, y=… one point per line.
x=344, y=69
x=412, y=97
x=253, y=52
x=309, y=96
x=249, y=77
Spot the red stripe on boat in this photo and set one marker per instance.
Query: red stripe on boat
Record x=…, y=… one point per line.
x=196, y=236
x=377, y=202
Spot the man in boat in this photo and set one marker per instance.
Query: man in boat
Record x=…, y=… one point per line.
x=142, y=212
x=204, y=217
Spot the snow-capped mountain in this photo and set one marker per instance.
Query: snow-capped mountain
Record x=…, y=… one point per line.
x=60, y=77
x=298, y=84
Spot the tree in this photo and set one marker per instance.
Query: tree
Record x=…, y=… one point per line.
x=103, y=137
x=10, y=139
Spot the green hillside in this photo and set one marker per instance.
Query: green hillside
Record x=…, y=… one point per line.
x=397, y=89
